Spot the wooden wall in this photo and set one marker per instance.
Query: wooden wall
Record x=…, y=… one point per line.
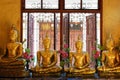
x=111, y=19
x=10, y=11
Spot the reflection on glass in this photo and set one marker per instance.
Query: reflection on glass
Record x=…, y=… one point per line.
x=90, y=4
x=50, y=4
x=72, y=4
x=32, y=4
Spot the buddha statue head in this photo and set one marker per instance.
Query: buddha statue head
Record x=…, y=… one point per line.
x=13, y=34
x=46, y=42
x=78, y=44
x=110, y=42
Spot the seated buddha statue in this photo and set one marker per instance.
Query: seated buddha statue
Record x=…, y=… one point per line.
x=110, y=58
x=11, y=63
x=79, y=60
x=13, y=50
x=46, y=59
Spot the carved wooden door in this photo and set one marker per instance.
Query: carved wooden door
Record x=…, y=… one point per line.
x=65, y=29
x=90, y=33
x=31, y=33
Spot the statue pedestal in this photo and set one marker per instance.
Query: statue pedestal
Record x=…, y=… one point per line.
x=80, y=75
x=13, y=73
x=109, y=75
x=37, y=74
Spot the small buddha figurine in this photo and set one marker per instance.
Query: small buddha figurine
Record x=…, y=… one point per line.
x=14, y=49
x=81, y=60
x=110, y=58
x=48, y=57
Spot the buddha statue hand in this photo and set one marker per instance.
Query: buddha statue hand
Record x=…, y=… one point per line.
x=103, y=67
x=37, y=67
x=46, y=66
x=71, y=69
x=37, y=64
x=80, y=67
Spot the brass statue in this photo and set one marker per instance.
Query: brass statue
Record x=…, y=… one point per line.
x=11, y=62
x=110, y=58
x=14, y=50
x=81, y=60
x=49, y=59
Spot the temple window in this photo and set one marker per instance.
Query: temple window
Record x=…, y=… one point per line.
x=64, y=20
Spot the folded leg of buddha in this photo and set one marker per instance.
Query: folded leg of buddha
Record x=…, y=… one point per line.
x=53, y=69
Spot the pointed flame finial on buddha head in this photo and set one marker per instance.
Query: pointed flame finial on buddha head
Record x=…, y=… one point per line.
x=79, y=43
x=46, y=42
x=110, y=42
x=13, y=33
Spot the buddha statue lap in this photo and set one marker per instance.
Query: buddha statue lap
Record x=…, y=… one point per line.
x=10, y=60
x=110, y=58
x=49, y=59
x=81, y=60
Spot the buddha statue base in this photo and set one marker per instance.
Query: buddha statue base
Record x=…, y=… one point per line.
x=91, y=75
x=82, y=72
x=13, y=73
x=52, y=71
x=51, y=74
x=15, y=68
x=109, y=74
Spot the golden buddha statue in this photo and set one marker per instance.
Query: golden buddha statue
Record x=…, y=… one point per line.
x=14, y=49
x=81, y=60
x=11, y=61
x=49, y=59
x=110, y=58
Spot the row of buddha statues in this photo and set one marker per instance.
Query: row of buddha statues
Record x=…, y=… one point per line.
x=47, y=59
x=110, y=60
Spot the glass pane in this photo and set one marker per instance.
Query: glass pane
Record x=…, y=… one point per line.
x=72, y=4
x=50, y=4
x=25, y=19
x=32, y=4
x=98, y=27
x=90, y=4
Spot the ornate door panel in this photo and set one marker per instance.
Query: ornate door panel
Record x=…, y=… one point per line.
x=90, y=33
x=31, y=33
x=65, y=29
